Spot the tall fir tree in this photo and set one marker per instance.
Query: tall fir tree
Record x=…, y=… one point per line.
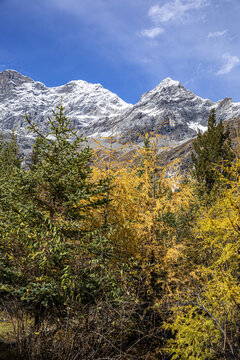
x=211, y=150
x=49, y=240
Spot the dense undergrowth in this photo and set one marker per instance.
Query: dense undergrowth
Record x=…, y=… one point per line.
x=108, y=260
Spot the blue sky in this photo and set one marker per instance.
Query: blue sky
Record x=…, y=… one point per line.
x=128, y=46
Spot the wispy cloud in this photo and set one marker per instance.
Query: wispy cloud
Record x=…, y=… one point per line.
x=153, y=32
x=174, y=10
x=230, y=63
x=217, y=34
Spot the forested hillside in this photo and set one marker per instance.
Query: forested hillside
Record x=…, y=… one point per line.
x=102, y=259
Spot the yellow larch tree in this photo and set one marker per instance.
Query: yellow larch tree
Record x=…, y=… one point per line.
x=206, y=318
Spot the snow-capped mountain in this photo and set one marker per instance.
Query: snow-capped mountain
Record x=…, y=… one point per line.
x=88, y=105
x=173, y=111
x=169, y=109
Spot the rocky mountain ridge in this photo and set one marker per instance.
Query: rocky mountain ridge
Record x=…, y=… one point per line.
x=170, y=109
x=86, y=104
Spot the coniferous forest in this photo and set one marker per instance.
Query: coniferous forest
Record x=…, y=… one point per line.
x=104, y=259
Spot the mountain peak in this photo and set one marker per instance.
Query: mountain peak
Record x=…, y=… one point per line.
x=10, y=79
x=170, y=109
x=10, y=74
x=166, y=83
x=169, y=82
x=11, y=71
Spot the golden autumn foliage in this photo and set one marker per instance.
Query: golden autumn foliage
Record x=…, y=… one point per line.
x=113, y=258
x=206, y=322
x=147, y=215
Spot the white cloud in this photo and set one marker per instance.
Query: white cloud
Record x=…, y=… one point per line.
x=152, y=33
x=174, y=10
x=217, y=34
x=230, y=63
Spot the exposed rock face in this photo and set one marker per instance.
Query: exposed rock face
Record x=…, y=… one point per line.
x=169, y=109
x=86, y=104
x=10, y=80
x=173, y=111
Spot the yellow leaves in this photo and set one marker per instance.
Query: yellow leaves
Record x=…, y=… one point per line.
x=214, y=292
x=40, y=278
x=175, y=253
x=33, y=256
x=140, y=194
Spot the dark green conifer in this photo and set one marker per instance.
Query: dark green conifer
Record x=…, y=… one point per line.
x=60, y=168
x=45, y=221
x=9, y=154
x=210, y=151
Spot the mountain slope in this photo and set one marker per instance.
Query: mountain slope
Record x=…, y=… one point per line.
x=173, y=111
x=169, y=109
x=85, y=103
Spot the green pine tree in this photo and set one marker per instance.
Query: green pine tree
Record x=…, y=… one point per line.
x=9, y=154
x=211, y=150
x=50, y=245
x=61, y=169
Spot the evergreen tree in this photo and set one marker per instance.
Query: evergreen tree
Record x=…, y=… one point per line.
x=61, y=169
x=49, y=239
x=10, y=163
x=210, y=151
x=9, y=155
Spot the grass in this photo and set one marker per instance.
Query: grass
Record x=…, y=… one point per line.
x=7, y=337
x=6, y=328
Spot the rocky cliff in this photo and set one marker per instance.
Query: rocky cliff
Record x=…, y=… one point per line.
x=170, y=109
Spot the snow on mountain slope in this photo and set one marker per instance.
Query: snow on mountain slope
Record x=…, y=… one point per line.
x=173, y=111
x=169, y=109
x=86, y=104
